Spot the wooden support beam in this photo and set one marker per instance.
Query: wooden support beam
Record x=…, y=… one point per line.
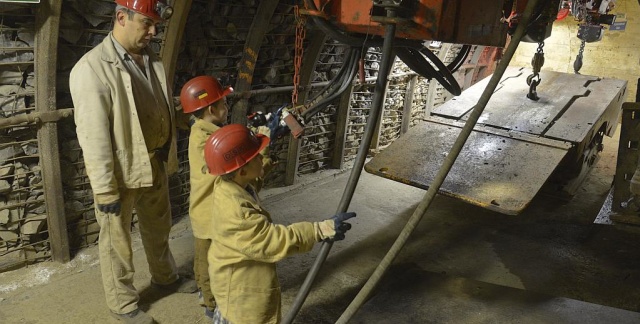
x=252, y=45
x=375, y=142
x=173, y=37
x=342, y=121
x=309, y=60
x=46, y=49
x=408, y=105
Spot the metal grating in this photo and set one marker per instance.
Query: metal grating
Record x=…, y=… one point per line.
x=24, y=238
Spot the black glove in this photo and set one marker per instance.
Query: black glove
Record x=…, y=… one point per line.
x=340, y=226
x=112, y=208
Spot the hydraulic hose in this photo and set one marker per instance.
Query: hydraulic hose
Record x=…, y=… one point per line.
x=420, y=211
x=374, y=116
x=459, y=60
x=338, y=85
x=414, y=60
x=353, y=69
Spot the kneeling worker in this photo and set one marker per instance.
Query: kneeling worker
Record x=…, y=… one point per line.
x=245, y=243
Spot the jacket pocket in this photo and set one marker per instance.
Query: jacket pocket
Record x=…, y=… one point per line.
x=254, y=305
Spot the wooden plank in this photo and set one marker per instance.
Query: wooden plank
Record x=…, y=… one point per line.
x=173, y=37
x=47, y=29
x=247, y=63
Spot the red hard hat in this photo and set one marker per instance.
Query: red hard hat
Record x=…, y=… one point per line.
x=231, y=147
x=154, y=9
x=201, y=92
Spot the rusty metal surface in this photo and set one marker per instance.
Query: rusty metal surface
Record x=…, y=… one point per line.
x=456, y=21
x=492, y=171
x=517, y=144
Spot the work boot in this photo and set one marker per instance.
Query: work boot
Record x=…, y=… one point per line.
x=135, y=317
x=208, y=313
x=182, y=285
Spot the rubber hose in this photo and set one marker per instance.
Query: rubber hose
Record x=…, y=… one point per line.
x=374, y=116
x=459, y=60
x=329, y=99
x=414, y=60
x=415, y=218
x=443, y=75
x=340, y=74
x=343, y=81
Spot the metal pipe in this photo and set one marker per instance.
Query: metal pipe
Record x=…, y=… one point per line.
x=374, y=117
x=36, y=117
x=420, y=211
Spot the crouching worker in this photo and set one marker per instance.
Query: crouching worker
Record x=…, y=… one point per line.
x=245, y=243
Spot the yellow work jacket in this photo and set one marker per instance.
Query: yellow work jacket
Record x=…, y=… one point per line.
x=202, y=183
x=200, y=204
x=245, y=245
x=107, y=124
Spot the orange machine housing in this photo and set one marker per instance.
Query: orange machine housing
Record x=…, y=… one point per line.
x=454, y=21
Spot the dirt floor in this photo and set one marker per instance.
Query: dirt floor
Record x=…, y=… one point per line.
x=463, y=264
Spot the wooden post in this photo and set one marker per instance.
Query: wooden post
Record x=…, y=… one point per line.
x=375, y=142
x=408, y=104
x=309, y=60
x=342, y=121
x=173, y=37
x=252, y=45
x=46, y=49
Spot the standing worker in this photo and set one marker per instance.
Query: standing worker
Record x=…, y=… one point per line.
x=205, y=99
x=245, y=243
x=125, y=124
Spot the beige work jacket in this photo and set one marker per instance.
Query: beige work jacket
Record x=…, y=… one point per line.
x=245, y=246
x=200, y=202
x=107, y=122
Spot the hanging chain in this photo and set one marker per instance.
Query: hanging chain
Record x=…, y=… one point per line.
x=534, y=79
x=298, y=51
x=577, y=64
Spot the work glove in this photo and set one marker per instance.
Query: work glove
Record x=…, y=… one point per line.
x=112, y=208
x=277, y=126
x=333, y=229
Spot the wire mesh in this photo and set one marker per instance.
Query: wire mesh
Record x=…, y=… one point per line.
x=24, y=238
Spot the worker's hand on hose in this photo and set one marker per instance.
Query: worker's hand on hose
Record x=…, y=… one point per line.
x=112, y=208
x=333, y=229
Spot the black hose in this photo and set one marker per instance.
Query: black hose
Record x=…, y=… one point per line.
x=374, y=116
x=459, y=60
x=414, y=60
x=353, y=70
x=339, y=75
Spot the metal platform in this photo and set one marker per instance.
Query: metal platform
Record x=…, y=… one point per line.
x=518, y=145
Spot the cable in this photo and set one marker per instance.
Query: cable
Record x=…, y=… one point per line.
x=417, y=215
